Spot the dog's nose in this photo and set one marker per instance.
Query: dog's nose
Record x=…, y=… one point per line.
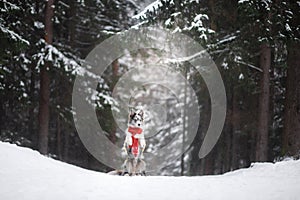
x=139, y=124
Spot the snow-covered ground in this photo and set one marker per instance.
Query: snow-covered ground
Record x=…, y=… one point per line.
x=25, y=174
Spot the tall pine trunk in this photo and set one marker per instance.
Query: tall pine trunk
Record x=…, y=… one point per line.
x=235, y=130
x=264, y=101
x=115, y=78
x=45, y=82
x=31, y=127
x=291, y=135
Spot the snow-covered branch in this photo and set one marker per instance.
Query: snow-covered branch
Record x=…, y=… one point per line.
x=248, y=65
x=183, y=59
x=150, y=8
x=13, y=35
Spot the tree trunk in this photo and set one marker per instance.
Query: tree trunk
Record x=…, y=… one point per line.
x=264, y=100
x=197, y=164
x=228, y=142
x=115, y=77
x=2, y=111
x=184, y=124
x=235, y=130
x=44, y=83
x=59, y=140
x=31, y=124
x=66, y=147
x=209, y=163
x=291, y=134
x=72, y=31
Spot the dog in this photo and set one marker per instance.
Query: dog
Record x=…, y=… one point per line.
x=135, y=144
x=135, y=129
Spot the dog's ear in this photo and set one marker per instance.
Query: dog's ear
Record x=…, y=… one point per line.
x=141, y=113
x=131, y=112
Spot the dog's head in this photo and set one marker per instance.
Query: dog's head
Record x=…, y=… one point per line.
x=136, y=118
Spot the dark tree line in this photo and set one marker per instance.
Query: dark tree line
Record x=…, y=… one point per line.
x=255, y=45
x=43, y=44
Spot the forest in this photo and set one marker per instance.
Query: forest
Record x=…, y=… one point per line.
x=254, y=44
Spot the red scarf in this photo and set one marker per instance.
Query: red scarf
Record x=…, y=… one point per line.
x=135, y=141
x=134, y=130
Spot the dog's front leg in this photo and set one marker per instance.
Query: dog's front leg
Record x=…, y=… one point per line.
x=128, y=139
x=143, y=144
x=142, y=141
x=127, y=142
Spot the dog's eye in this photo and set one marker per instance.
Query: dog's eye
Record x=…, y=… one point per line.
x=132, y=115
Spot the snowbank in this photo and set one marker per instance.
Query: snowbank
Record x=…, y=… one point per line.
x=25, y=174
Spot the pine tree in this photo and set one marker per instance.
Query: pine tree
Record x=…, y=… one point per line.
x=291, y=137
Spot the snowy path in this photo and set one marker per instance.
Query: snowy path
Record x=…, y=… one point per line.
x=26, y=175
